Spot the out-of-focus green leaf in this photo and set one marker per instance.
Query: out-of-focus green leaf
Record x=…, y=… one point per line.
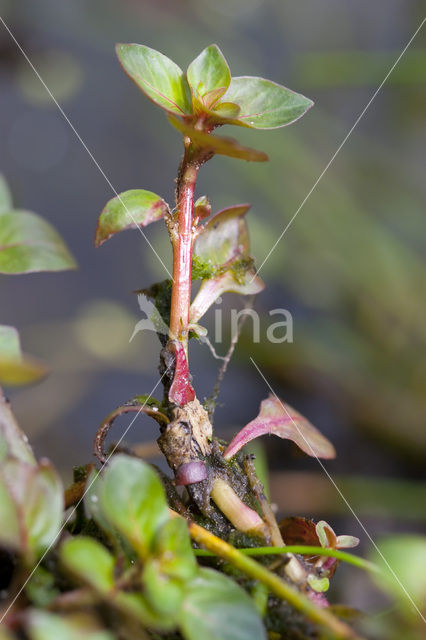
x=406, y=580
x=225, y=236
x=265, y=104
x=217, y=144
x=10, y=529
x=36, y=494
x=135, y=604
x=216, y=608
x=132, y=498
x=157, y=76
x=92, y=504
x=89, y=561
x=20, y=372
x=209, y=75
x=15, y=368
x=48, y=626
x=28, y=243
x=163, y=593
x=6, y=203
x=130, y=210
x=226, y=110
x=41, y=588
x=10, y=346
x=13, y=441
x=174, y=551
x=248, y=284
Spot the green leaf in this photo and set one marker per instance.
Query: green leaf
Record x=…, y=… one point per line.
x=28, y=243
x=48, y=626
x=226, y=111
x=41, y=588
x=130, y=210
x=225, y=237
x=406, y=555
x=163, y=593
x=10, y=345
x=37, y=497
x=15, y=368
x=216, y=608
x=90, y=561
x=135, y=605
x=10, y=529
x=209, y=74
x=13, y=441
x=92, y=505
x=174, y=551
x=265, y=104
x=217, y=144
x=132, y=498
x=157, y=76
x=5, y=196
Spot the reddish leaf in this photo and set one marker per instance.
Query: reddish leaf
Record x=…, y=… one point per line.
x=215, y=144
x=181, y=391
x=281, y=420
x=299, y=531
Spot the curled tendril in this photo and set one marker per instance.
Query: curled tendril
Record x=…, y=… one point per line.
x=102, y=432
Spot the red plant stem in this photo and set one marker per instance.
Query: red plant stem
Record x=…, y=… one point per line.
x=182, y=250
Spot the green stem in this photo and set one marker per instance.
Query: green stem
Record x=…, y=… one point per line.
x=303, y=550
x=332, y=626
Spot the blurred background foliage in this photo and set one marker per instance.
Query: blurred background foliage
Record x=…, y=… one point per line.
x=351, y=268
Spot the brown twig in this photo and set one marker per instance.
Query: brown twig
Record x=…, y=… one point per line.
x=226, y=360
x=106, y=425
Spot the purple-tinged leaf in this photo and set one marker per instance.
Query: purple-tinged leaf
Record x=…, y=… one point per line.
x=129, y=210
x=210, y=290
x=280, y=419
x=33, y=495
x=181, y=391
x=216, y=144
